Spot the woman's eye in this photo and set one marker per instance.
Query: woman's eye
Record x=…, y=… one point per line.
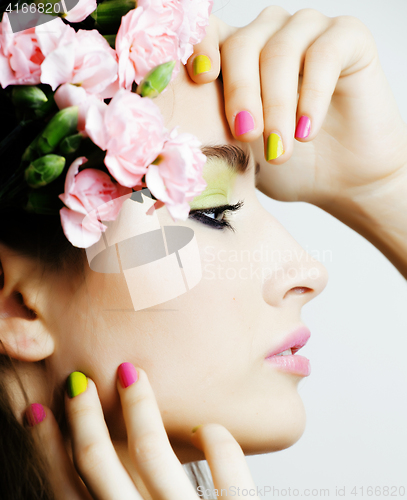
x=215, y=216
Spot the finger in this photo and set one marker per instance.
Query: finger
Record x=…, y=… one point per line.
x=93, y=451
x=203, y=65
x=225, y=459
x=331, y=55
x=65, y=482
x=280, y=66
x=149, y=446
x=240, y=71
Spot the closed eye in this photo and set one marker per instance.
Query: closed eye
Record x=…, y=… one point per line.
x=210, y=216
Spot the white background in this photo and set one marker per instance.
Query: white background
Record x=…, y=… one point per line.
x=356, y=395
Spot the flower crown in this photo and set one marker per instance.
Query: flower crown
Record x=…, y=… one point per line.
x=88, y=92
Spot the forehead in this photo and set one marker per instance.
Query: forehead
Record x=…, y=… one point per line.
x=199, y=109
x=196, y=108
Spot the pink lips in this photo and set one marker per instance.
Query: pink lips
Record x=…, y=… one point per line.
x=298, y=365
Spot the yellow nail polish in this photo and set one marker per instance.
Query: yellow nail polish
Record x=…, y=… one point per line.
x=202, y=64
x=196, y=428
x=76, y=384
x=274, y=147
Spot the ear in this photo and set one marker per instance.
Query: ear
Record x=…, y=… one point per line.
x=23, y=332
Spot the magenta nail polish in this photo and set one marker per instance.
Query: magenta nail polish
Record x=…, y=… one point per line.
x=303, y=128
x=243, y=123
x=127, y=374
x=35, y=414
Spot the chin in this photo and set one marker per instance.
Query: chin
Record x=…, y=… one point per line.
x=277, y=431
x=256, y=434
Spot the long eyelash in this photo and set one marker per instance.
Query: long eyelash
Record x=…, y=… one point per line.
x=217, y=224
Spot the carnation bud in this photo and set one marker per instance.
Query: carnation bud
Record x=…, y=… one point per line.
x=109, y=13
x=28, y=96
x=46, y=107
x=70, y=144
x=63, y=124
x=30, y=153
x=156, y=80
x=44, y=170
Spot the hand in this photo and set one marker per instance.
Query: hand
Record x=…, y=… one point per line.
x=99, y=467
x=357, y=141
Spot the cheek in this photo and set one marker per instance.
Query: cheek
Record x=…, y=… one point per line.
x=201, y=349
x=188, y=345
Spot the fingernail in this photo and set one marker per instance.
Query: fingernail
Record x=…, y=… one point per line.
x=243, y=123
x=196, y=428
x=127, y=374
x=274, y=147
x=35, y=414
x=76, y=384
x=303, y=128
x=202, y=64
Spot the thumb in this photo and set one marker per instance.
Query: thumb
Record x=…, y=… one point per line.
x=203, y=65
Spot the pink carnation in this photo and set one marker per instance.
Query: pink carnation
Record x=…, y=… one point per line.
x=54, y=34
x=197, y=16
x=84, y=192
x=187, y=18
x=70, y=95
x=177, y=176
x=87, y=60
x=193, y=28
x=145, y=40
x=74, y=230
x=170, y=12
x=131, y=131
x=20, y=56
x=81, y=11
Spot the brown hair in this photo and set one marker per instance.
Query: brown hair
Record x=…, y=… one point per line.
x=24, y=472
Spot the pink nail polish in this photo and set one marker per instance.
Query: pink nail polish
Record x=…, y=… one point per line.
x=243, y=123
x=303, y=128
x=127, y=374
x=35, y=414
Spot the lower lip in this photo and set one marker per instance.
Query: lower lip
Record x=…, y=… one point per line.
x=298, y=365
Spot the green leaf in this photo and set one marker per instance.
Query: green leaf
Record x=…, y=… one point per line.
x=111, y=40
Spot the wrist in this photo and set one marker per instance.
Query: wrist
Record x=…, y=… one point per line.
x=379, y=213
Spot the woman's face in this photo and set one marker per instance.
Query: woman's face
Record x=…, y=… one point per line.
x=204, y=351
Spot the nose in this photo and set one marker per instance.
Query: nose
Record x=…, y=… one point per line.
x=295, y=277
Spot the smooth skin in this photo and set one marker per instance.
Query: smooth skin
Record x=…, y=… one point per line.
x=352, y=164
x=104, y=475
x=222, y=329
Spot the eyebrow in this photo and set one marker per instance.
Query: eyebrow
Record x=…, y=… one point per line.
x=236, y=158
